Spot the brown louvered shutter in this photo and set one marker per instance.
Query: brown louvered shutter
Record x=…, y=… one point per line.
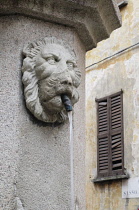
x=110, y=135
x=116, y=133
x=103, y=137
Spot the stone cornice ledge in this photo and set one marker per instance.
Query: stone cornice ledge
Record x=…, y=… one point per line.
x=93, y=20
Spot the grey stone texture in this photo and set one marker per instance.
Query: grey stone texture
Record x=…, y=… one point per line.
x=93, y=20
x=49, y=71
x=35, y=165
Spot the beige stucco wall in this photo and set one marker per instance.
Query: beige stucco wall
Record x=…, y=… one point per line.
x=107, y=77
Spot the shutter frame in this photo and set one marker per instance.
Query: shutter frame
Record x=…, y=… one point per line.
x=115, y=133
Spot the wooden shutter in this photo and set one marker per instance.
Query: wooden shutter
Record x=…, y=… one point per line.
x=110, y=135
x=103, y=138
x=122, y=3
x=116, y=133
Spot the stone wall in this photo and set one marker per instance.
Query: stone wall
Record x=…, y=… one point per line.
x=102, y=79
x=35, y=165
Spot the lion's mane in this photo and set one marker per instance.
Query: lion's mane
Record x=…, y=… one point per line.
x=30, y=80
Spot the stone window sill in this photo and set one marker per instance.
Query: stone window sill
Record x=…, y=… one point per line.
x=110, y=178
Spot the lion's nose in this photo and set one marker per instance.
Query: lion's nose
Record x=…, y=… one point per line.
x=62, y=65
x=67, y=81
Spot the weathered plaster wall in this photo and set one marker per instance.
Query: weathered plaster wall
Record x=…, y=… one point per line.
x=35, y=170
x=107, y=77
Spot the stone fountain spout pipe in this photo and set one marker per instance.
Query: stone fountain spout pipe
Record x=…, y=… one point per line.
x=67, y=102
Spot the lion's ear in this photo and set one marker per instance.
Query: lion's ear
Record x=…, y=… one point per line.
x=27, y=50
x=32, y=49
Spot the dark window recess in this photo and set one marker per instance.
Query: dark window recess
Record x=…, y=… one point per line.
x=122, y=3
x=110, y=135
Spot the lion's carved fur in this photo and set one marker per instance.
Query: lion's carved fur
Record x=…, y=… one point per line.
x=38, y=74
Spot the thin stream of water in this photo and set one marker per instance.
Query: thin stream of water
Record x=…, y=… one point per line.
x=71, y=160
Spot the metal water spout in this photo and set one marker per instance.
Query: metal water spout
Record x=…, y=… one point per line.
x=67, y=102
x=68, y=106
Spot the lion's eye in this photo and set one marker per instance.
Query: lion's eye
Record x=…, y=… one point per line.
x=51, y=60
x=70, y=65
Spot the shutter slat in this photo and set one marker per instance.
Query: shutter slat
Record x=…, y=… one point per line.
x=103, y=152
x=116, y=112
x=116, y=123
x=103, y=131
x=118, y=154
x=103, y=143
x=104, y=161
x=102, y=120
x=117, y=165
x=103, y=126
x=103, y=123
x=102, y=149
x=115, y=145
x=115, y=98
x=116, y=150
x=102, y=108
x=103, y=158
x=118, y=158
x=116, y=126
x=116, y=107
x=103, y=139
x=116, y=116
x=103, y=146
x=103, y=165
x=114, y=103
x=117, y=103
x=103, y=168
x=103, y=103
x=117, y=119
x=116, y=136
x=103, y=111
x=117, y=140
x=102, y=115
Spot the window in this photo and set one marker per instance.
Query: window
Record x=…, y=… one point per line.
x=110, y=158
x=122, y=3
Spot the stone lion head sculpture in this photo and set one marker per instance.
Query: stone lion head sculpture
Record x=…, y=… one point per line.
x=49, y=70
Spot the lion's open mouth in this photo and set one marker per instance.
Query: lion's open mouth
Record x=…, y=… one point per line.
x=57, y=103
x=67, y=93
